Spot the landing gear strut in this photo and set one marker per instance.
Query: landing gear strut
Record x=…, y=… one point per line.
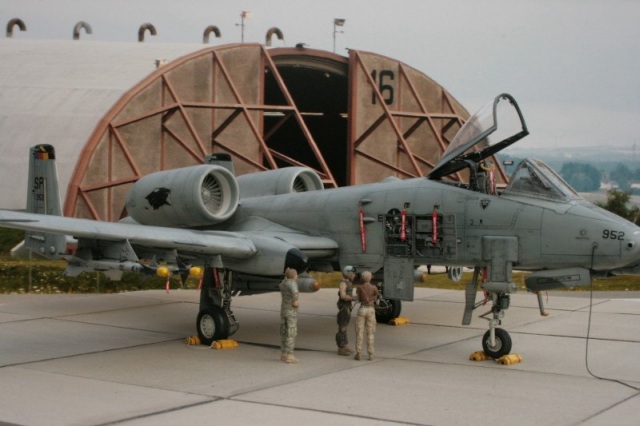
x=215, y=318
x=496, y=342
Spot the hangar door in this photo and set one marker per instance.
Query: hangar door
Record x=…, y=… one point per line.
x=401, y=120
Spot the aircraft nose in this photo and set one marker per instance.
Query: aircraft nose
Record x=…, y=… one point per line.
x=632, y=250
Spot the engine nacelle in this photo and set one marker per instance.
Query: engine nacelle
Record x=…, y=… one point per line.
x=186, y=197
x=279, y=181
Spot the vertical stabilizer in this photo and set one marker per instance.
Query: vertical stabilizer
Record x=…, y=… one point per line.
x=43, y=197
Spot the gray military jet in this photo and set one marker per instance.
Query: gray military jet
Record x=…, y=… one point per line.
x=246, y=230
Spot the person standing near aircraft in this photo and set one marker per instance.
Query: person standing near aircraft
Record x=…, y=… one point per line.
x=289, y=315
x=345, y=305
x=367, y=295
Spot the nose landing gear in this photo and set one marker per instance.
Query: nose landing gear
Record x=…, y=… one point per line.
x=496, y=342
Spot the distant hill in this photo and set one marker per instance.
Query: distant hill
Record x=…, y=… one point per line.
x=603, y=157
x=601, y=197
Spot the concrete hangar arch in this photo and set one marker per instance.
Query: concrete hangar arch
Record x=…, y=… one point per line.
x=353, y=120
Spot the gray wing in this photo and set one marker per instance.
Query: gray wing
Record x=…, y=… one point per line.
x=228, y=244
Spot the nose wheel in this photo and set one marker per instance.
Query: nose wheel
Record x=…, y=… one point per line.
x=496, y=342
x=499, y=345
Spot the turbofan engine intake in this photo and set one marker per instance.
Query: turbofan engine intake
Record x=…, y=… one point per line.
x=186, y=197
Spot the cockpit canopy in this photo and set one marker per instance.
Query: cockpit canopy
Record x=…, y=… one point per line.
x=533, y=178
x=481, y=137
x=482, y=134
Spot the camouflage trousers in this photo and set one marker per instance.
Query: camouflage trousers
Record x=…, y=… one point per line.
x=366, y=320
x=344, y=316
x=288, y=332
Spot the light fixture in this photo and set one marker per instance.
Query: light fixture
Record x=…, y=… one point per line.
x=337, y=22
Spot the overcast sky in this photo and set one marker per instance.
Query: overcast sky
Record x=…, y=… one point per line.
x=573, y=65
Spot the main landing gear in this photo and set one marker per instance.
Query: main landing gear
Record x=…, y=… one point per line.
x=387, y=310
x=215, y=318
x=496, y=342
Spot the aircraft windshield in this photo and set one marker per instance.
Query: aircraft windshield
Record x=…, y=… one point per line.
x=533, y=178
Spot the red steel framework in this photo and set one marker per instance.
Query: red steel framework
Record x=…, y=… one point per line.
x=258, y=105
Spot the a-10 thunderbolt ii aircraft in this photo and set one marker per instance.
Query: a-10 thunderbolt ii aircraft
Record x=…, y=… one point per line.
x=246, y=230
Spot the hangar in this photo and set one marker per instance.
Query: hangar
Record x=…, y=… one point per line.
x=354, y=119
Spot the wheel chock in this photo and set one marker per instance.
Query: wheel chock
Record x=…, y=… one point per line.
x=224, y=344
x=509, y=359
x=399, y=321
x=479, y=356
x=193, y=340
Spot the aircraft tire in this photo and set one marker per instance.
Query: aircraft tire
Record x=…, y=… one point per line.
x=455, y=273
x=502, y=346
x=387, y=309
x=212, y=324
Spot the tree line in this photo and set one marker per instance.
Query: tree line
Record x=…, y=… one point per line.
x=584, y=177
x=587, y=178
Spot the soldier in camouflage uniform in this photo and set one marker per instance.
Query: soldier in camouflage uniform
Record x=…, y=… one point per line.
x=289, y=315
x=367, y=295
x=345, y=305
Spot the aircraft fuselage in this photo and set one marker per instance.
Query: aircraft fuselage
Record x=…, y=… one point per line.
x=549, y=235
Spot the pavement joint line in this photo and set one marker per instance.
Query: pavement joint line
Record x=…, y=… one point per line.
x=604, y=410
x=21, y=364
x=157, y=413
x=566, y=336
x=504, y=368
x=129, y=308
x=315, y=410
x=110, y=325
x=69, y=319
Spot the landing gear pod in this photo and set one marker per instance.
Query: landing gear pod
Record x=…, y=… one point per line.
x=186, y=197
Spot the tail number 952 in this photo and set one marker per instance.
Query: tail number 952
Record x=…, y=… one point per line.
x=608, y=234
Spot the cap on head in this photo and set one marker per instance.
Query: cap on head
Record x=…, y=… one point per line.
x=290, y=273
x=348, y=270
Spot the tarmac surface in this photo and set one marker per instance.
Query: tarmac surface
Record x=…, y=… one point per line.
x=97, y=359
